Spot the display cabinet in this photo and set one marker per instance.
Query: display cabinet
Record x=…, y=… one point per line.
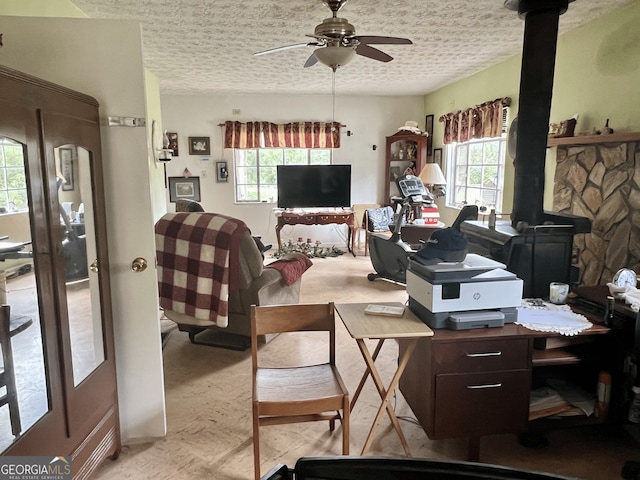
x=405, y=149
x=64, y=362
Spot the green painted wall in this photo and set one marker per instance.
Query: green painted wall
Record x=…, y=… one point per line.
x=40, y=8
x=597, y=76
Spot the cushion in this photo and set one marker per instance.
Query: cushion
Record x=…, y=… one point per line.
x=379, y=219
x=291, y=266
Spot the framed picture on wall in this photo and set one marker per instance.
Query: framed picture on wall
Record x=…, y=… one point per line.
x=222, y=174
x=199, y=146
x=437, y=157
x=428, y=127
x=66, y=168
x=173, y=142
x=182, y=188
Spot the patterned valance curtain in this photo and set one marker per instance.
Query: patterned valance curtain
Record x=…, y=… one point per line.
x=286, y=135
x=481, y=121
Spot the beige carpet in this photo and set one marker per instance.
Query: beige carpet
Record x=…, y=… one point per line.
x=208, y=399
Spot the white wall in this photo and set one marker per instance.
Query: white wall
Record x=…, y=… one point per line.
x=370, y=119
x=103, y=58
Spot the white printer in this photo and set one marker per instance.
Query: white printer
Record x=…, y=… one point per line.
x=474, y=293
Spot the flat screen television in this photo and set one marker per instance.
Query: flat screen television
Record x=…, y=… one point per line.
x=309, y=186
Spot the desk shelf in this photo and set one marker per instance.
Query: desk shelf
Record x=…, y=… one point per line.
x=554, y=356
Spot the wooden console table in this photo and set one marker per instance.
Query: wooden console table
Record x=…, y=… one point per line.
x=319, y=218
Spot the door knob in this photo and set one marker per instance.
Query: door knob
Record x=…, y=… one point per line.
x=94, y=266
x=139, y=265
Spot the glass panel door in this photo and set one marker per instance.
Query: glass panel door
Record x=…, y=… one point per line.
x=22, y=359
x=77, y=234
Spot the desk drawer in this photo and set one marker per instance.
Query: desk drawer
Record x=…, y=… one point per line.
x=333, y=218
x=472, y=404
x=298, y=219
x=481, y=355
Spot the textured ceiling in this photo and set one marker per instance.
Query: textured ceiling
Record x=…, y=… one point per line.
x=207, y=46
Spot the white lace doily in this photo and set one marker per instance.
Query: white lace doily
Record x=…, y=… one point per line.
x=536, y=314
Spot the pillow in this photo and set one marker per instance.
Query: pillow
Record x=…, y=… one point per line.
x=381, y=218
x=291, y=266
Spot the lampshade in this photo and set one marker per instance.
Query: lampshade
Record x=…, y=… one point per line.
x=432, y=175
x=334, y=57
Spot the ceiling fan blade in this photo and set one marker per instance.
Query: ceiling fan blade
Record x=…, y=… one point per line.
x=378, y=40
x=370, y=52
x=311, y=61
x=287, y=47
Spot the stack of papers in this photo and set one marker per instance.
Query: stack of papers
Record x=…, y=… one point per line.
x=560, y=398
x=384, y=310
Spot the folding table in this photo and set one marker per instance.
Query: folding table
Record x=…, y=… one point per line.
x=362, y=326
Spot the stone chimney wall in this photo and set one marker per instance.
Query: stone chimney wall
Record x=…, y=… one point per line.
x=601, y=182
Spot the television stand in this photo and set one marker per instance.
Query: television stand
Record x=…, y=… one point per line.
x=347, y=218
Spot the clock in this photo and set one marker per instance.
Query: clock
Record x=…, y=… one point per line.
x=625, y=277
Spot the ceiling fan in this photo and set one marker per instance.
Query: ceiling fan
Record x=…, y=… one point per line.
x=338, y=42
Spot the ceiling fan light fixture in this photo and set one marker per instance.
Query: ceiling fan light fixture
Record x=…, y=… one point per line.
x=334, y=57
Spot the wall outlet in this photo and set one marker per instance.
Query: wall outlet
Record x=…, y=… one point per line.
x=235, y=111
x=203, y=174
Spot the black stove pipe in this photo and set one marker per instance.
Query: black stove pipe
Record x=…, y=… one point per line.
x=541, y=19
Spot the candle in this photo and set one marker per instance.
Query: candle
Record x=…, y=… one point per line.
x=558, y=292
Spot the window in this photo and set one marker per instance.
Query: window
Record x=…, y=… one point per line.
x=475, y=168
x=13, y=183
x=476, y=172
x=256, y=173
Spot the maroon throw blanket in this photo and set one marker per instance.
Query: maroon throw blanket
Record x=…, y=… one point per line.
x=291, y=266
x=198, y=263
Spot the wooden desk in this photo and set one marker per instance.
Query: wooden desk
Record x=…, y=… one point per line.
x=319, y=218
x=414, y=234
x=361, y=327
x=469, y=383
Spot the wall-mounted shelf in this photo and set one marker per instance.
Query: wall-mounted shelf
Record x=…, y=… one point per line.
x=591, y=139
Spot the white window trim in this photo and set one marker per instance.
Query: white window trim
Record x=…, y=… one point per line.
x=450, y=151
x=271, y=199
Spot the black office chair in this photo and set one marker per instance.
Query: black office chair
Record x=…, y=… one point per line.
x=384, y=468
x=468, y=212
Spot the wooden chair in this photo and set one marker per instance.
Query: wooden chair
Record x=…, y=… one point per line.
x=7, y=376
x=295, y=394
x=368, y=225
x=359, y=210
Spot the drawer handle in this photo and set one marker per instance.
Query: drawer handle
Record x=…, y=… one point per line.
x=489, y=385
x=488, y=354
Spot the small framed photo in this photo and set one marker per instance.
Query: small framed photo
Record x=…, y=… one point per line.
x=199, y=146
x=66, y=168
x=437, y=157
x=428, y=127
x=222, y=174
x=173, y=142
x=183, y=188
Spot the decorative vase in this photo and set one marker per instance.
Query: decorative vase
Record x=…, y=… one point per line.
x=606, y=130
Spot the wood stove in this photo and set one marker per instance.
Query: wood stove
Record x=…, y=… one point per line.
x=536, y=245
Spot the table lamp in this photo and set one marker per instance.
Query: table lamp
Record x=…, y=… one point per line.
x=432, y=175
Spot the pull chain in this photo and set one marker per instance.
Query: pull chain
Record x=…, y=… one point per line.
x=333, y=96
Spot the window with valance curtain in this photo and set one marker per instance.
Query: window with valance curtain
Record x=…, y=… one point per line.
x=482, y=121
x=286, y=135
